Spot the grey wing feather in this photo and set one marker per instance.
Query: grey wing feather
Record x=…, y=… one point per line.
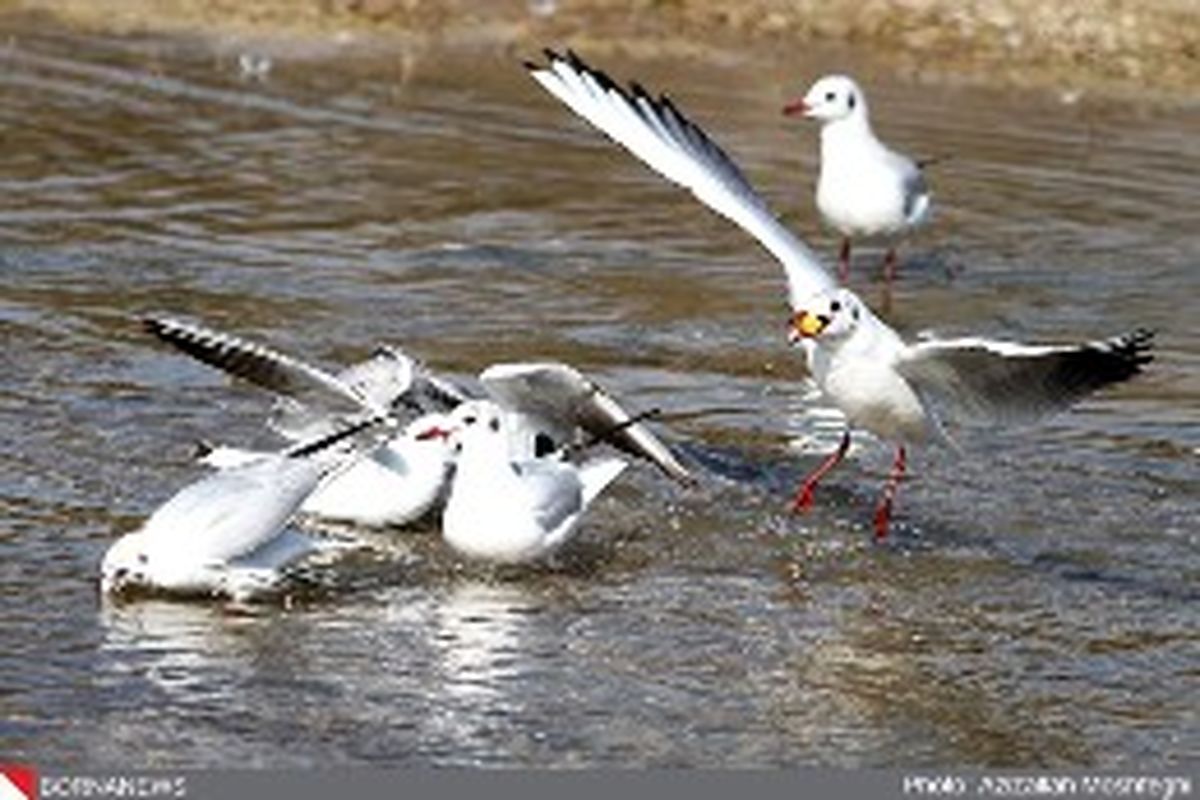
x=433, y=393
x=233, y=512
x=383, y=378
x=914, y=189
x=658, y=133
x=260, y=365
x=555, y=490
x=566, y=399
x=392, y=378
x=981, y=381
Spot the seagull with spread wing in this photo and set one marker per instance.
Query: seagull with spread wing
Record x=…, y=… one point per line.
x=550, y=409
x=395, y=483
x=895, y=389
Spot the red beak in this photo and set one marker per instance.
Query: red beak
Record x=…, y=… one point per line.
x=432, y=433
x=795, y=107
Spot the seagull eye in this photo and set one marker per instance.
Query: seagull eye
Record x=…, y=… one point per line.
x=830, y=97
x=850, y=101
x=470, y=420
x=494, y=424
x=142, y=558
x=835, y=306
x=543, y=445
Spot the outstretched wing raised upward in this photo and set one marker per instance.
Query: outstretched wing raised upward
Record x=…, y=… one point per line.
x=261, y=365
x=655, y=131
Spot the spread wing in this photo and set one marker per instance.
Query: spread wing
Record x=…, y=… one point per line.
x=669, y=143
x=260, y=365
x=391, y=376
x=981, y=380
x=312, y=401
x=390, y=379
x=566, y=400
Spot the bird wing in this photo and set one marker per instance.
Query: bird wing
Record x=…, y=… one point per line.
x=232, y=512
x=258, y=364
x=566, y=400
x=916, y=190
x=982, y=380
x=383, y=378
x=656, y=132
x=554, y=491
x=390, y=379
x=391, y=376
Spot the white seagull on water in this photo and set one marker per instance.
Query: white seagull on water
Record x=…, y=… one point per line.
x=549, y=414
x=511, y=510
x=393, y=484
x=227, y=533
x=865, y=189
x=894, y=389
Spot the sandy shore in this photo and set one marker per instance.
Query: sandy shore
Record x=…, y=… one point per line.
x=1125, y=44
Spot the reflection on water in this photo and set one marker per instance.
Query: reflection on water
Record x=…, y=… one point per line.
x=478, y=629
x=1038, y=603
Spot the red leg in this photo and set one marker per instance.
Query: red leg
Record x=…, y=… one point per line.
x=883, y=512
x=844, y=261
x=804, y=495
x=889, y=266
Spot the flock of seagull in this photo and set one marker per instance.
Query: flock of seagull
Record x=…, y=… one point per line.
x=513, y=465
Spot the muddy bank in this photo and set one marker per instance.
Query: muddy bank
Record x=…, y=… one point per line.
x=1079, y=44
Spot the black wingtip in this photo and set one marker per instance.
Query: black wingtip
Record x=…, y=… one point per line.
x=1136, y=347
x=154, y=325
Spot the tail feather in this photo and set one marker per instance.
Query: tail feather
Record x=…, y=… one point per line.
x=597, y=474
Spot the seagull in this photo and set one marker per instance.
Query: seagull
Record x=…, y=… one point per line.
x=549, y=408
x=227, y=534
x=899, y=391
x=865, y=189
x=508, y=510
x=396, y=483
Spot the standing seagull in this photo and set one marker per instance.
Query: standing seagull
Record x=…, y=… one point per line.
x=511, y=511
x=865, y=189
x=897, y=390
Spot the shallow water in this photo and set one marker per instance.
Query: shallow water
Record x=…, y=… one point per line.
x=1037, y=604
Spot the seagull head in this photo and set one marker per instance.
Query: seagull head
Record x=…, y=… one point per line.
x=831, y=98
x=829, y=316
x=125, y=565
x=475, y=421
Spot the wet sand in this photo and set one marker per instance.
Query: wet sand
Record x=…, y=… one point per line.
x=1128, y=46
